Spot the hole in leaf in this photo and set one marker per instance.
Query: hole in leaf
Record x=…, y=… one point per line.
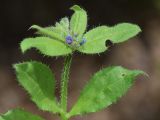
x=123, y=74
x=109, y=43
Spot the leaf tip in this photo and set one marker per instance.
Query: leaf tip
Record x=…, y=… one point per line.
x=138, y=28
x=76, y=8
x=34, y=27
x=139, y=72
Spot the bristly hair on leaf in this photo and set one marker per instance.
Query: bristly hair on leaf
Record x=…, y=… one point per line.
x=64, y=38
x=36, y=74
x=53, y=41
x=104, y=89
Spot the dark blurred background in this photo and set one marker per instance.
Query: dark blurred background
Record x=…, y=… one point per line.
x=142, y=102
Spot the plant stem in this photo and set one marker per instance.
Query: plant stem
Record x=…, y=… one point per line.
x=64, y=82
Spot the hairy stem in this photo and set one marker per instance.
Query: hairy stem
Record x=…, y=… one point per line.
x=64, y=83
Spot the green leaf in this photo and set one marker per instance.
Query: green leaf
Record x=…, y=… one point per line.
x=104, y=88
x=63, y=25
x=78, y=21
x=61, y=28
x=46, y=46
x=97, y=37
x=48, y=33
x=95, y=40
x=39, y=81
x=19, y=114
x=122, y=32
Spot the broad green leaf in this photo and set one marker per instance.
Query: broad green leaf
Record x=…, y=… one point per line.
x=104, y=88
x=61, y=28
x=63, y=25
x=39, y=81
x=48, y=33
x=19, y=114
x=95, y=40
x=46, y=46
x=122, y=32
x=97, y=37
x=78, y=21
x=54, y=29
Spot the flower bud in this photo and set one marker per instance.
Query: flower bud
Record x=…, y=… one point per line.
x=69, y=39
x=83, y=41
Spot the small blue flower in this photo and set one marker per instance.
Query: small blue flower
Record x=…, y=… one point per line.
x=83, y=41
x=69, y=39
